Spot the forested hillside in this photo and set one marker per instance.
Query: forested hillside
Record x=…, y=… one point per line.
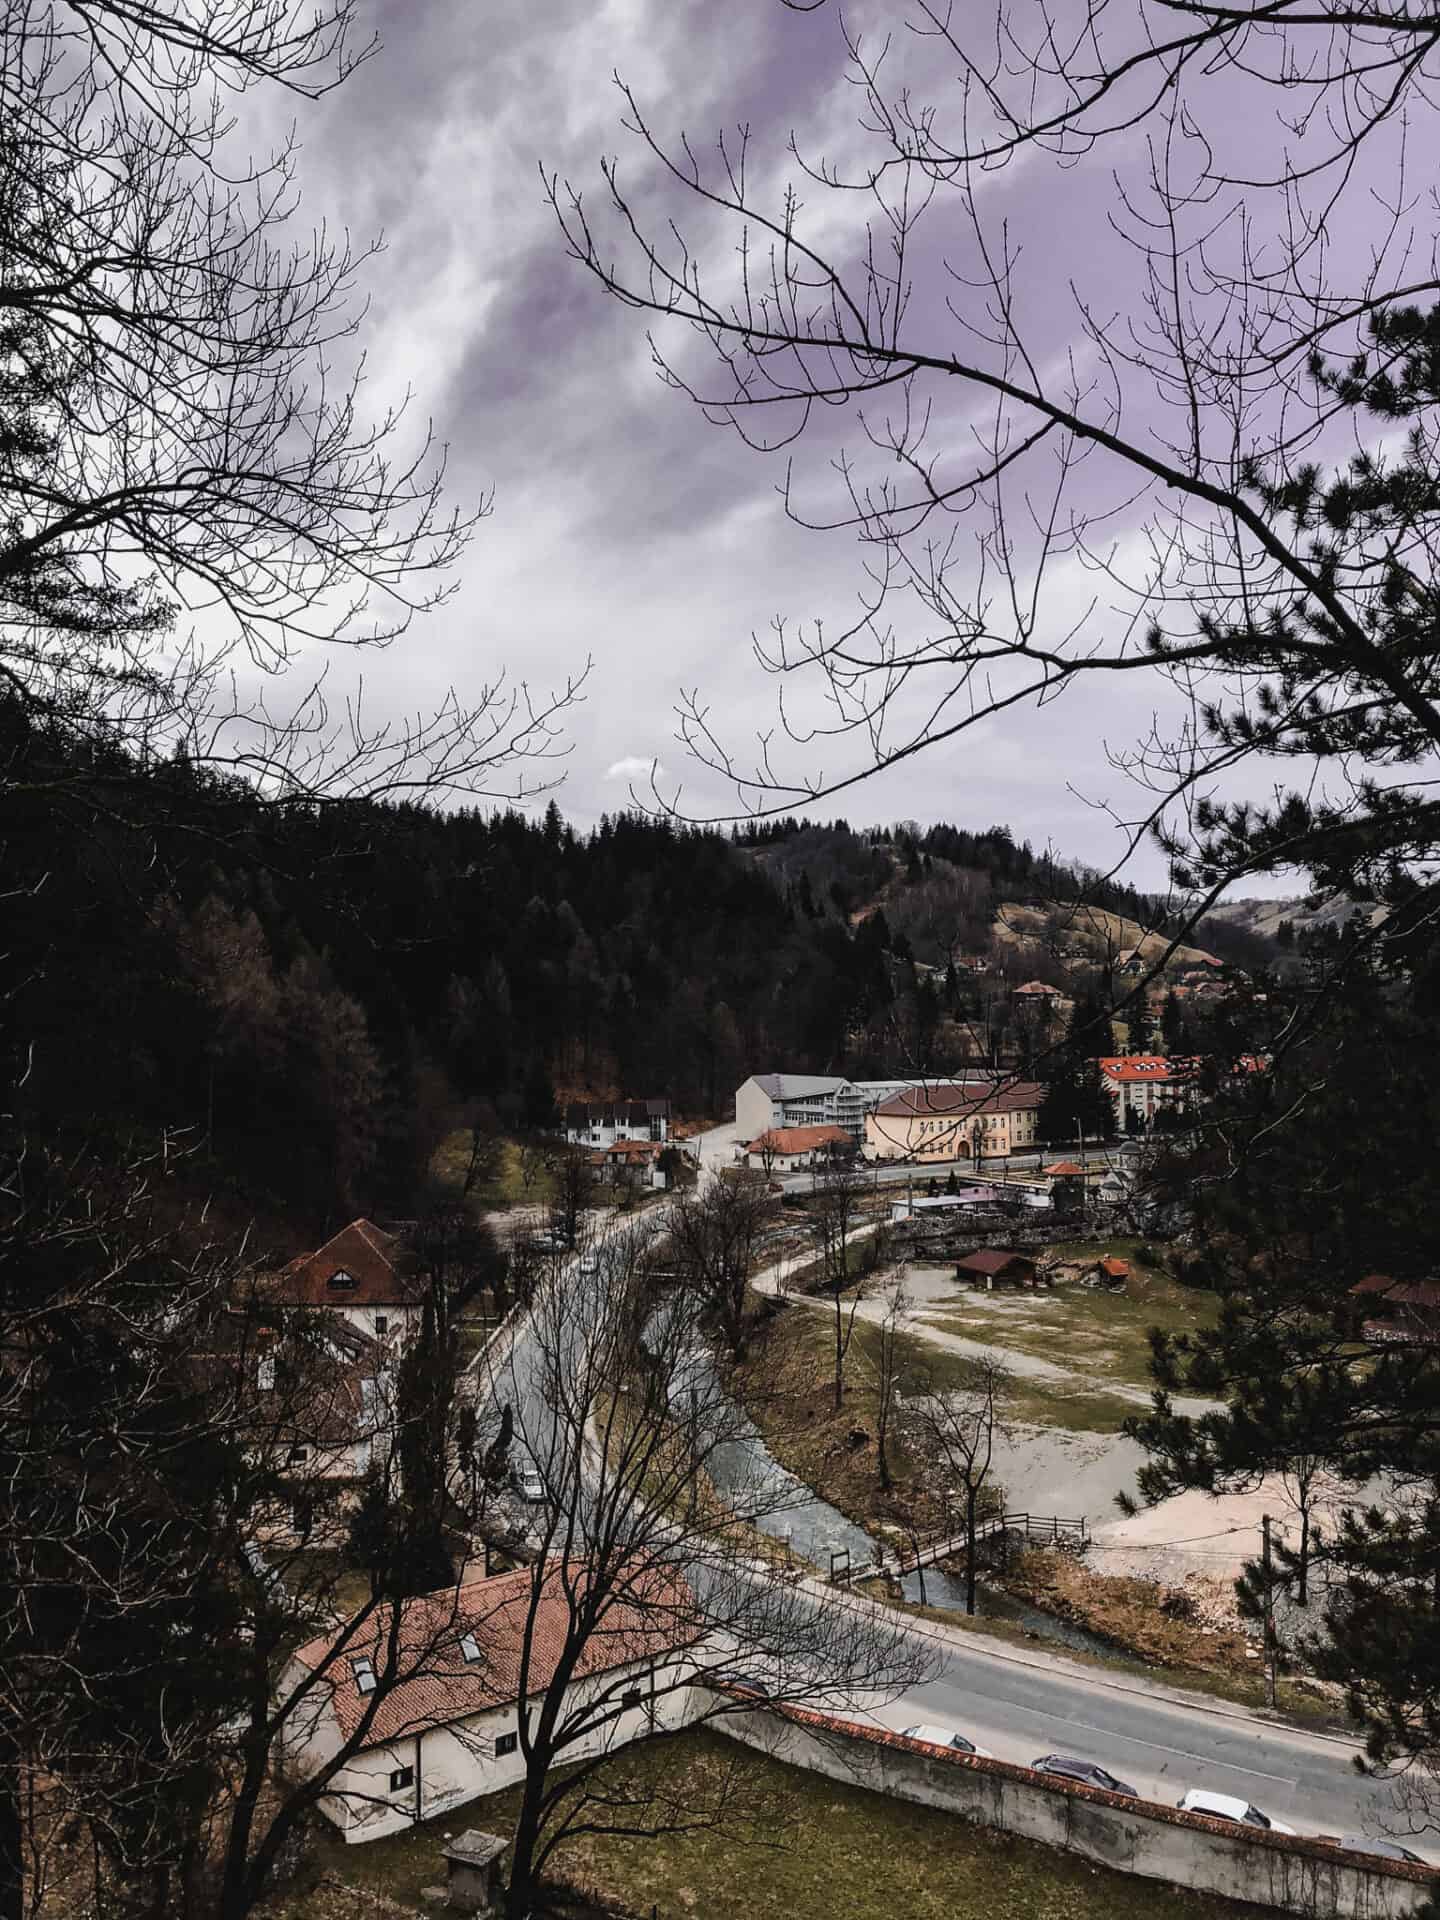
x=304, y=999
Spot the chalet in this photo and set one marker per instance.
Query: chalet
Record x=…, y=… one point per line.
x=601, y=1123
x=1398, y=1312
x=363, y=1274
x=783, y=1149
x=445, y=1727
x=996, y=1266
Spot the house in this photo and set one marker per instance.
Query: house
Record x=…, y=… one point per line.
x=447, y=1730
x=364, y=1275
x=771, y=1100
x=996, y=1266
x=783, y=1149
x=984, y=1117
x=1405, y=1312
x=633, y=1163
x=1142, y=1084
x=1107, y=1271
x=601, y=1123
x=1037, y=990
x=1131, y=962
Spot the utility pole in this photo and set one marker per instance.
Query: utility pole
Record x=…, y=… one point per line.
x=1269, y=1625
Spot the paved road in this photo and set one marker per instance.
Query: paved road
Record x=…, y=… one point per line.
x=1020, y=1704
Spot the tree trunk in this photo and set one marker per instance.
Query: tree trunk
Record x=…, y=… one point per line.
x=970, y=1550
x=520, y=1889
x=12, y=1849
x=1302, y=1589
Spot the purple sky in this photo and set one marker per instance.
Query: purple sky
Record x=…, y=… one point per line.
x=623, y=527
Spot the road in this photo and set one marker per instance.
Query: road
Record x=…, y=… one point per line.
x=1020, y=1704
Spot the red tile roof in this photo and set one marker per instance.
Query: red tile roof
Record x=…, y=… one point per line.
x=650, y=1613
x=944, y=1098
x=1039, y=986
x=1117, y=1269
x=992, y=1260
x=1146, y=1066
x=1404, y=1293
x=783, y=1140
x=382, y=1272
x=1064, y=1170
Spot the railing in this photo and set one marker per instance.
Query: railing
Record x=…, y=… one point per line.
x=1051, y=1529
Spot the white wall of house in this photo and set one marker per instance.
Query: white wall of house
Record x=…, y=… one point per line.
x=379, y=1323
x=372, y=1797
x=755, y=1111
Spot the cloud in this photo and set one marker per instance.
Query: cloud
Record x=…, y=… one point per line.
x=636, y=767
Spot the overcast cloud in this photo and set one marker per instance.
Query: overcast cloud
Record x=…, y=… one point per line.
x=624, y=528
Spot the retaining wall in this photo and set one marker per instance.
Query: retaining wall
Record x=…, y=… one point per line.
x=1295, y=1875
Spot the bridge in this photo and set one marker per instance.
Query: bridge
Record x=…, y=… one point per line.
x=1037, y=1529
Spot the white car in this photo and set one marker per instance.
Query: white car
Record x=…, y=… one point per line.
x=531, y=1486
x=947, y=1738
x=1220, y=1806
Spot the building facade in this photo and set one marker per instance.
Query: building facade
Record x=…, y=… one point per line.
x=1145, y=1084
x=955, y=1120
x=364, y=1275
x=604, y=1123
x=769, y=1101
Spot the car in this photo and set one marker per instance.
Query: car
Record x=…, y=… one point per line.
x=530, y=1484
x=1220, y=1806
x=1088, y=1772
x=747, y=1683
x=947, y=1738
x=590, y=1262
x=1383, y=1849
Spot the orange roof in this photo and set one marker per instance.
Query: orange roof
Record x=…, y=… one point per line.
x=783, y=1140
x=1039, y=986
x=648, y=1613
x=1117, y=1269
x=1145, y=1066
x=1064, y=1170
x=360, y=1267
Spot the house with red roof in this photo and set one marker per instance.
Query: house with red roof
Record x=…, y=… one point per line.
x=364, y=1274
x=983, y=1118
x=782, y=1149
x=1399, y=1312
x=424, y=1700
x=1143, y=1083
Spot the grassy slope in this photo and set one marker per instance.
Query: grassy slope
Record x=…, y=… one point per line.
x=452, y=1158
x=814, y=1850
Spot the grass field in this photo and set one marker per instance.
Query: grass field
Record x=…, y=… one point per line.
x=508, y=1188
x=797, y=1845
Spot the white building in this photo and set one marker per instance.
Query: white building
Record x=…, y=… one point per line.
x=768, y=1102
x=603, y=1123
x=448, y=1729
x=364, y=1275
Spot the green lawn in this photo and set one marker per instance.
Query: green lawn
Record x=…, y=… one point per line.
x=1102, y=1335
x=451, y=1161
x=796, y=1845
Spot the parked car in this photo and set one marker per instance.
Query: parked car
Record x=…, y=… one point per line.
x=529, y=1483
x=1088, y=1772
x=948, y=1738
x=1220, y=1806
x=1383, y=1849
x=590, y=1262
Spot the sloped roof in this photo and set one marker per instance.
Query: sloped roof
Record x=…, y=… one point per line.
x=1140, y=1067
x=1064, y=1170
x=944, y=1099
x=612, y=1113
x=1039, y=986
x=382, y=1272
x=795, y=1086
x=992, y=1260
x=652, y=1612
x=785, y=1140
x=1116, y=1269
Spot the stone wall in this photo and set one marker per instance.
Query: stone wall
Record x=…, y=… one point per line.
x=1293, y=1874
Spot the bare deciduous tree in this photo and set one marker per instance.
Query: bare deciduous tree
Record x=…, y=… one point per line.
x=653, y=1494
x=889, y=1360
x=713, y=1230
x=954, y=1433
x=838, y=1192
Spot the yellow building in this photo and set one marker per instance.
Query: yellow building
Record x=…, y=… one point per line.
x=955, y=1120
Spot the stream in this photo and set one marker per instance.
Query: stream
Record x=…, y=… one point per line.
x=815, y=1530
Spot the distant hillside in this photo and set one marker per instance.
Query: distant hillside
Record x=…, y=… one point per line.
x=1266, y=917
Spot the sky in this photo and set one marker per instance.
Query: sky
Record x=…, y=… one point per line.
x=623, y=528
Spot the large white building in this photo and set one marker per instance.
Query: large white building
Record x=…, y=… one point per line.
x=771, y=1101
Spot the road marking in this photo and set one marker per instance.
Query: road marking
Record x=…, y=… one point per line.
x=1183, y=1753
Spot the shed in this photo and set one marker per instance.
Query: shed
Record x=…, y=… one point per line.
x=992, y=1265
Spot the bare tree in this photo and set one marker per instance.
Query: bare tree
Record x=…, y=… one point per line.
x=1128, y=484
x=713, y=1231
x=573, y=1194
x=888, y=1363
x=838, y=1193
x=652, y=1501
x=955, y=1433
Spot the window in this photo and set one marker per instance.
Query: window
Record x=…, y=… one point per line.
x=470, y=1647
x=341, y=1282
x=400, y=1778
x=505, y=1743
x=632, y=1697
x=298, y=1456
x=382, y=1323
x=364, y=1670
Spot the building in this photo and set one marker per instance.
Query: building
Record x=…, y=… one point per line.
x=1403, y=1312
x=363, y=1274
x=981, y=1118
x=996, y=1266
x=783, y=1149
x=1039, y=991
x=601, y=1123
x=1143, y=1084
x=447, y=1730
x=630, y=1163
x=772, y=1100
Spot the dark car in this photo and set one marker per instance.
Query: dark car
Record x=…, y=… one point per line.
x=1087, y=1772
x=748, y=1683
x=1384, y=1849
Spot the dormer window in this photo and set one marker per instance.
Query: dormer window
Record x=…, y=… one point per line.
x=364, y=1670
x=470, y=1647
x=340, y=1282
